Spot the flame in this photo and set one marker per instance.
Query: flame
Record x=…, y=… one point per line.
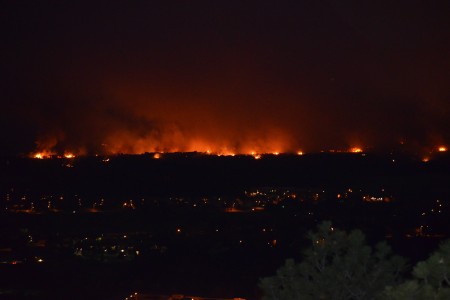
x=69, y=155
x=157, y=155
x=442, y=149
x=356, y=150
x=256, y=155
x=43, y=154
x=299, y=152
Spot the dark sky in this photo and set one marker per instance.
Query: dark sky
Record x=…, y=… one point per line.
x=225, y=76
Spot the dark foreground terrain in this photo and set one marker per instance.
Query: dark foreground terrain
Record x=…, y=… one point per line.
x=103, y=227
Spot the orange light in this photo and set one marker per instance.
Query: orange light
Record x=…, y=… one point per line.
x=38, y=156
x=356, y=150
x=69, y=155
x=299, y=152
x=157, y=156
x=42, y=154
x=426, y=159
x=442, y=149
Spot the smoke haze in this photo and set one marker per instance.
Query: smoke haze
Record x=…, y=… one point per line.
x=229, y=77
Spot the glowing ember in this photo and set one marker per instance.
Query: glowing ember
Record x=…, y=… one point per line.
x=426, y=159
x=157, y=155
x=255, y=155
x=69, y=155
x=38, y=156
x=42, y=155
x=356, y=150
x=442, y=149
x=299, y=153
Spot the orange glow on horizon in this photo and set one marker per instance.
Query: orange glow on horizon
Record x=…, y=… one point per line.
x=257, y=148
x=69, y=155
x=356, y=150
x=42, y=154
x=255, y=155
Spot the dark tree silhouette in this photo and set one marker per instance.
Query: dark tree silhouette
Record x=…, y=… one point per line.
x=338, y=265
x=431, y=279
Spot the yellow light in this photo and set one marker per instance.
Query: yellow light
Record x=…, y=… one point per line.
x=356, y=150
x=69, y=155
x=299, y=152
x=42, y=154
x=157, y=156
x=442, y=149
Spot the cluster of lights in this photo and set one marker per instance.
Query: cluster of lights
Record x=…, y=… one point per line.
x=132, y=296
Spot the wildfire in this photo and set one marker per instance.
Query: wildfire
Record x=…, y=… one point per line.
x=69, y=155
x=255, y=155
x=157, y=155
x=299, y=152
x=442, y=149
x=356, y=150
x=42, y=155
x=39, y=156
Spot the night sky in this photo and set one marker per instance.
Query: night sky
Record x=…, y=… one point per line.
x=224, y=76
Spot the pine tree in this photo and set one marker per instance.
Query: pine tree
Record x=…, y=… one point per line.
x=431, y=279
x=338, y=265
